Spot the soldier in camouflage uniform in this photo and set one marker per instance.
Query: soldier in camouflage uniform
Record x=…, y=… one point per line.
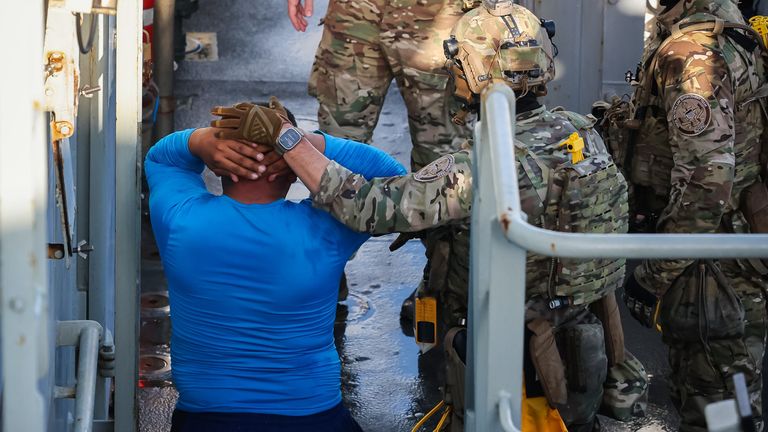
x=506, y=43
x=692, y=149
x=367, y=43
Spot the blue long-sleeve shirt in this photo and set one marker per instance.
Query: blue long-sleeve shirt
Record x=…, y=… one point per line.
x=252, y=287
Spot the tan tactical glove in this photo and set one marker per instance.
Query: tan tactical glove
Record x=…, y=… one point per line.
x=251, y=122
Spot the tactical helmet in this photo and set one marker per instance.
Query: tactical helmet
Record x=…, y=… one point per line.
x=500, y=42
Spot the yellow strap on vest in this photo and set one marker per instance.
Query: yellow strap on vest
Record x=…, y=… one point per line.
x=760, y=24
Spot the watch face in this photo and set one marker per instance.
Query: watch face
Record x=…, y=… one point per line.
x=289, y=138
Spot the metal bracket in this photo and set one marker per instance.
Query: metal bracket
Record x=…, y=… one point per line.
x=107, y=356
x=56, y=251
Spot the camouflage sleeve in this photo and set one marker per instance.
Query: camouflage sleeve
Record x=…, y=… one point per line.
x=437, y=194
x=698, y=96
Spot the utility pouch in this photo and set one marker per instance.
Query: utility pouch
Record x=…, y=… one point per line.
x=607, y=311
x=616, y=124
x=455, y=364
x=754, y=207
x=547, y=361
x=701, y=305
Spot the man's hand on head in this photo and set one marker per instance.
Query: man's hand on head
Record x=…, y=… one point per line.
x=234, y=158
x=251, y=122
x=298, y=13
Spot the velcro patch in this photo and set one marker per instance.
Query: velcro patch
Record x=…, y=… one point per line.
x=691, y=114
x=436, y=169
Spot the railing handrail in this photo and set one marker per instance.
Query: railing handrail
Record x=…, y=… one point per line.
x=578, y=245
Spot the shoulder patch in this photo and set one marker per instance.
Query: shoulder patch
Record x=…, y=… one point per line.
x=436, y=169
x=691, y=114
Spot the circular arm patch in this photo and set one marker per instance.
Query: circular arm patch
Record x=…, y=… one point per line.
x=691, y=114
x=436, y=169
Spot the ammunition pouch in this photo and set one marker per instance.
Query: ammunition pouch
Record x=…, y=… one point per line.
x=455, y=344
x=701, y=305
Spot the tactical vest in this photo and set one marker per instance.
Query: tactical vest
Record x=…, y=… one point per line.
x=589, y=196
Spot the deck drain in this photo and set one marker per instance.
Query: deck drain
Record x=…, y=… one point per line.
x=154, y=369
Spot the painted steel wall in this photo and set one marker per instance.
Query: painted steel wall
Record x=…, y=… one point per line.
x=598, y=41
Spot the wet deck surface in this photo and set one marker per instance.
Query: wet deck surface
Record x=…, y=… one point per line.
x=386, y=384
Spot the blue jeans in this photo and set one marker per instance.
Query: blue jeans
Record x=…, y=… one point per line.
x=336, y=419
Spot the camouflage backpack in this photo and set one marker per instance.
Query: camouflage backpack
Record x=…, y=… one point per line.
x=588, y=196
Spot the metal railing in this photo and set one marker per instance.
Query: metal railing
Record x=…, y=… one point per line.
x=501, y=237
x=86, y=335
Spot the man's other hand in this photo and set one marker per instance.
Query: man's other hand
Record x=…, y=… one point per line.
x=234, y=158
x=298, y=13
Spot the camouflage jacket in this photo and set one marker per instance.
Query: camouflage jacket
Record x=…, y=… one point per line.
x=698, y=145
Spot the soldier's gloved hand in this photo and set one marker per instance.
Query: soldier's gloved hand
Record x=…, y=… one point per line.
x=251, y=122
x=640, y=302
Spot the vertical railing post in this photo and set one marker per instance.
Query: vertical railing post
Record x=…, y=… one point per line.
x=101, y=204
x=23, y=205
x=127, y=210
x=496, y=317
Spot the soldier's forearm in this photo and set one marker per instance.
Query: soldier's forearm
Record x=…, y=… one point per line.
x=308, y=161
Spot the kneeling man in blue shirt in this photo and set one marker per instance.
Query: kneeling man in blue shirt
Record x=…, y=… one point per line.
x=253, y=282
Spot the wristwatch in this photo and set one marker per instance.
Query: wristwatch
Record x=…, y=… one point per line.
x=288, y=139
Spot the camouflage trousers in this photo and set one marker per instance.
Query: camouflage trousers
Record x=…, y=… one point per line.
x=703, y=373
x=366, y=44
